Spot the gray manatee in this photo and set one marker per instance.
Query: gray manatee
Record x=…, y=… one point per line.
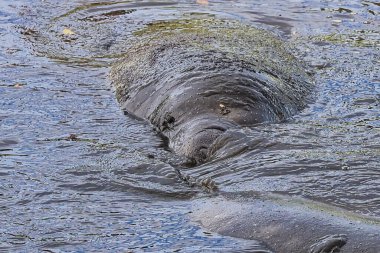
x=197, y=81
x=289, y=225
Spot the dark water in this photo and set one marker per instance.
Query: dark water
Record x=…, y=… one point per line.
x=78, y=175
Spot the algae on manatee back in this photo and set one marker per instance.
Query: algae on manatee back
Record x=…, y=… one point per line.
x=245, y=42
x=356, y=38
x=237, y=41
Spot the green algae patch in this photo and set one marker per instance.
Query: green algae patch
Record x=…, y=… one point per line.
x=232, y=38
x=360, y=38
x=222, y=35
x=297, y=202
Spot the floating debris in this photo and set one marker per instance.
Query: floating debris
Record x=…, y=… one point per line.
x=68, y=31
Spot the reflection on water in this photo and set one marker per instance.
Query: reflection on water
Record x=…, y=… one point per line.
x=77, y=174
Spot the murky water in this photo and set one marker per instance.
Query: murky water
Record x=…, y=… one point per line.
x=76, y=174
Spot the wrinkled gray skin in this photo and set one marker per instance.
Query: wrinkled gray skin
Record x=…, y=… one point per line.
x=198, y=83
x=195, y=86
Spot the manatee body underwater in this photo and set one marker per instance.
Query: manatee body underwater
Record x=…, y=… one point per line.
x=198, y=82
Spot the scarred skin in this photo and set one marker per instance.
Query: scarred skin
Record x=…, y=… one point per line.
x=199, y=81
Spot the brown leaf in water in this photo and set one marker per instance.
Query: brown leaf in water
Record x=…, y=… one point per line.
x=202, y=2
x=19, y=85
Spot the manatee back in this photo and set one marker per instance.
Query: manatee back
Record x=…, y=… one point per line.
x=189, y=60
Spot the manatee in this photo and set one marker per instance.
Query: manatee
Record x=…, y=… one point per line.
x=289, y=225
x=199, y=81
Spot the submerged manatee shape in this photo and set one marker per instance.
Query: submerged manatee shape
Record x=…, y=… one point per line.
x=196, y=81
x=290, y=225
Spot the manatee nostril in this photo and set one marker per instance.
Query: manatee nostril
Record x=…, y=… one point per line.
x=167, y=122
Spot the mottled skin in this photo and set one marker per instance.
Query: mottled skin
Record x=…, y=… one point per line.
x=198, y=83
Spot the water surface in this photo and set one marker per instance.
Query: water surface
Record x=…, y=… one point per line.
x=76, y=174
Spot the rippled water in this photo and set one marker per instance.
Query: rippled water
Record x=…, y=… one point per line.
x=76, y=174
